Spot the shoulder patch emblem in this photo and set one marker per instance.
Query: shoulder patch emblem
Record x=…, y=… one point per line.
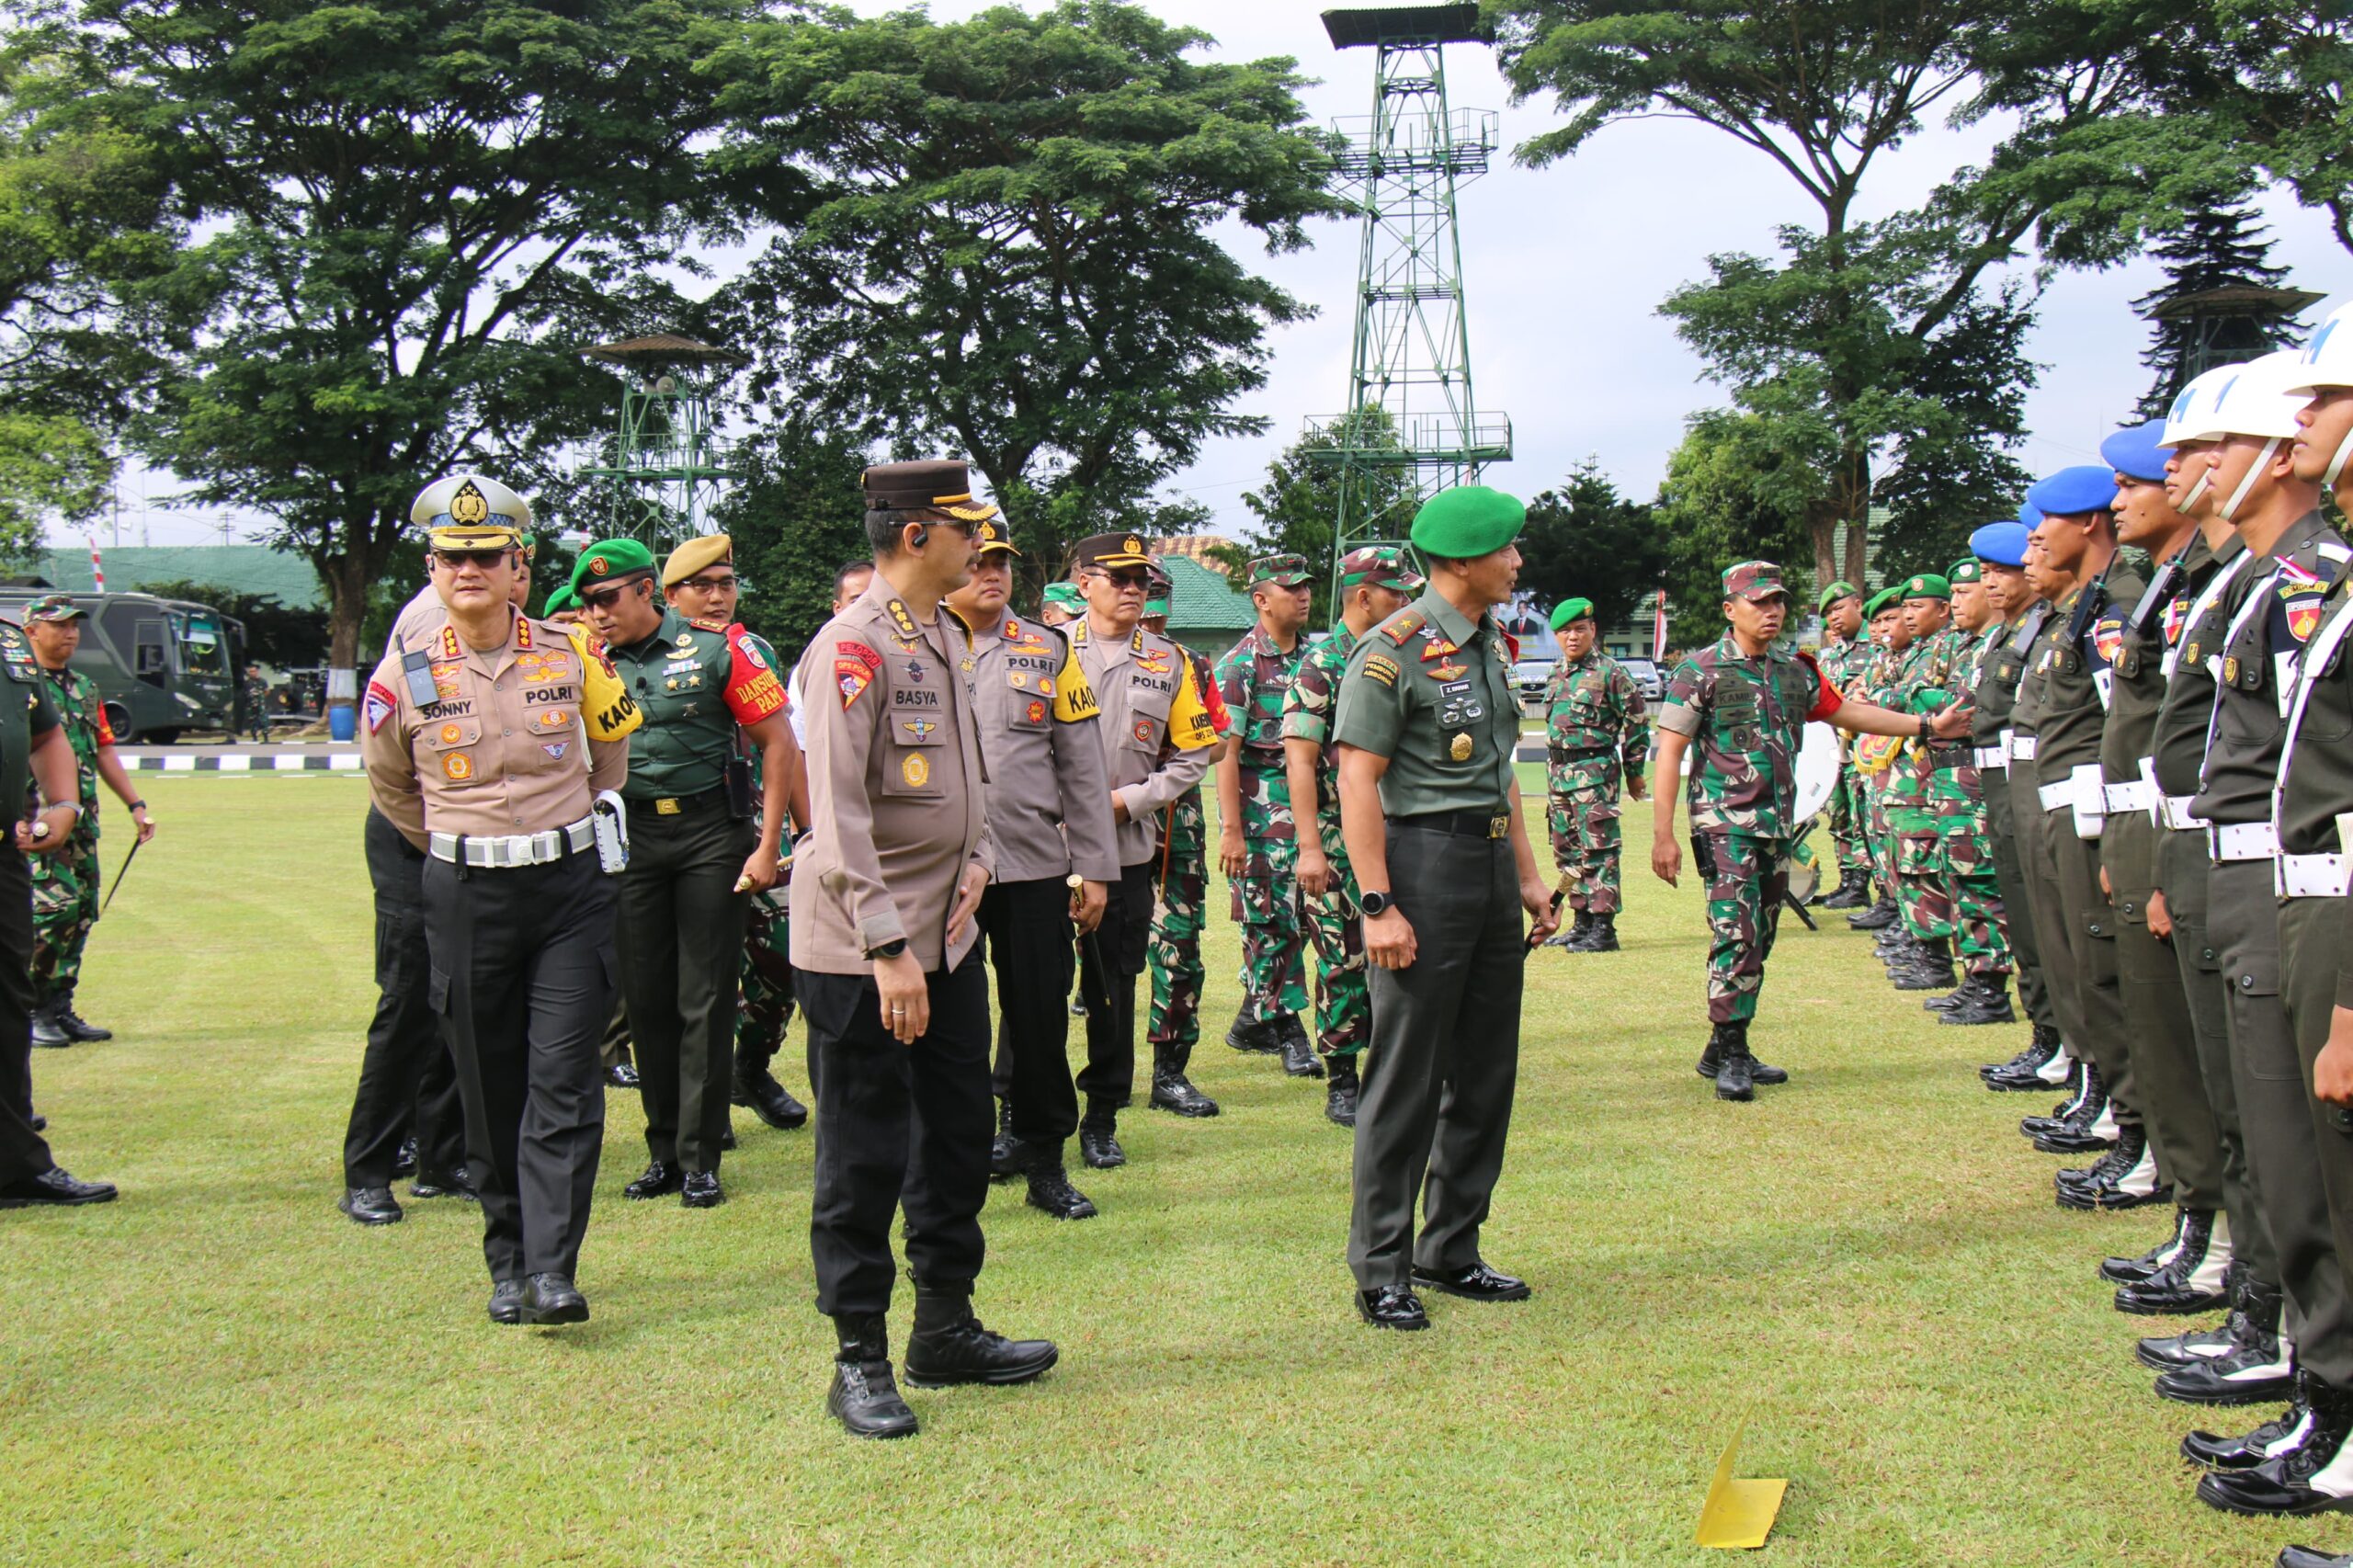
x=1402, y=627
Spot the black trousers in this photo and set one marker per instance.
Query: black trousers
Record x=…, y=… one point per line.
x=1109, y=1079
x=2165, y=1072
x=23, y=1152
x=2312, y=936
x=2017, y=918
x=523, y=983
x=1028, y=929
x=681, y=940
x=898, y=1127
x=406, y=1076
x=1443, y=1062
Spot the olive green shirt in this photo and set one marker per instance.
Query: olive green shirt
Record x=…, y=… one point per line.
x=679, y=676
x=1432, y=693
x=17, y=664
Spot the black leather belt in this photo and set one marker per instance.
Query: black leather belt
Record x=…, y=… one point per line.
x=1463, y=825
x=684, y=805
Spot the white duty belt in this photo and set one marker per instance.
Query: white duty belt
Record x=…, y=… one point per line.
x=2055, y=796
x=514, y=849
x=2021, y=747
x=2310, y=876
x=2233, y=841
x=2175, y=813
x=1993, y=757
x=2137, y=796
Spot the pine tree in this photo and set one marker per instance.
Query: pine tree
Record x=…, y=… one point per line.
x=2221, y=248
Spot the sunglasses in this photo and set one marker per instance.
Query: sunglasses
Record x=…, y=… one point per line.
x=605, y=598
x=485, y=558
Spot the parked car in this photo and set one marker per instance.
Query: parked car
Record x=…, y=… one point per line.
x=1648, y=679
x=1529, y=675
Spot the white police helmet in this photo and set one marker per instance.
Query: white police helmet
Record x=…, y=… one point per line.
x=2327, y=362
x=470, y=510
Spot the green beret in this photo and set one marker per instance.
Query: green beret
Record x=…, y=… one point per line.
x=563, y=599
x=1065, y=595
x=1965, y=571
x=607, y=559
x=1925, y=586
x=1467, y=520
x=1841, y=589
x=1568, y=611
x=1885, y=598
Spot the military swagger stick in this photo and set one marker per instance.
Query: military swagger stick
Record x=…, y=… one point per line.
x=119, y=875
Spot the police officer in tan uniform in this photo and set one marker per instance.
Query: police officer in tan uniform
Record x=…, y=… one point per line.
x=1049, y=819
x=1151, y=693
x=885, y=889
x=487, y=753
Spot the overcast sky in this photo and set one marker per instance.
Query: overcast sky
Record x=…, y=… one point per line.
x=1564, y=269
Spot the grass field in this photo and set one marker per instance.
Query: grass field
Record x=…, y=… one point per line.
x=219, y=1368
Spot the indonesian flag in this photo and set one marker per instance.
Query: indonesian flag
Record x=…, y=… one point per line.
x=97, y=567
x=1658, y=628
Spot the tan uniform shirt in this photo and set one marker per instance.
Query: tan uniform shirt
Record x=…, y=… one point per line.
x=895, y=788
x=504, y=747
x=418, y=619
x=1049, y=798
x=1149, y=691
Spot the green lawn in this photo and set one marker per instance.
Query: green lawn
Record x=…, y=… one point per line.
x=219, y=1368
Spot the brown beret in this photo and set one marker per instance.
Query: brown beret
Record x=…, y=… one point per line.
x=694, y=555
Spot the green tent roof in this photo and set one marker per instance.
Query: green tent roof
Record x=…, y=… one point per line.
x=245, y=568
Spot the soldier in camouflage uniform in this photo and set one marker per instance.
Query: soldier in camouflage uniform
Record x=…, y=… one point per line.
x=1846, y=657
x=1923, y=890
x=1375, y=584
x=1594, y=735
x=1873, y=759
x=1173, y=950
x=1957, y=795
x=699, y=580
x=65, y=879
x=1258, y=837
x=1744, y=704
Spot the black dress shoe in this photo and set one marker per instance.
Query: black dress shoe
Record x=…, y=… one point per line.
x=1258, y=1036
x=660, y=1180
x=700, y=1189
x=404, y=1159
x=553, y=1298
x=949, y=1346
x=864, y=1397
x=55, y=1189
x=1098, y=1143
x=2215, y=1451
x=1174, y=1093
x=1391, y=1306
x=1340, y=1094
x=621, y=1076
x=759, y=1093
x=456, y=1182
x=1474, y=1281
x=370, y=1205
x=1299, y=1052
x=506, y=1302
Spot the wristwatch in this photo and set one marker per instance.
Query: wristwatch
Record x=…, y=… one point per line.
x=1375, y=903
x=889, y=950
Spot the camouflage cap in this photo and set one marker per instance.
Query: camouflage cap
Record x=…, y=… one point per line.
x=1965, y=570
x=1569, y=611
x=1925, y=586
x=1283, y=570
x=1841, y=589
x=53, y=607
x=1754, y=581
x=1886, y=599
x=1380, y=566
x=1157, y=589
x=1065, y=596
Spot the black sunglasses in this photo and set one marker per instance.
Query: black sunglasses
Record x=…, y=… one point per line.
x=605, y=598
x=485, y=558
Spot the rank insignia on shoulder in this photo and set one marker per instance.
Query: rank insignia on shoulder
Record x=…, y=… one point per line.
x=901, y=621
x=1402, y=627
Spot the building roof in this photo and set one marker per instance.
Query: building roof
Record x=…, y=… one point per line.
x=1192, y=547
x=243, y=568
x=1200, y=599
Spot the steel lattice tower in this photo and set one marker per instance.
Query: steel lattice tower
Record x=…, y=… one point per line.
x=667, y=458
x=1412, y=427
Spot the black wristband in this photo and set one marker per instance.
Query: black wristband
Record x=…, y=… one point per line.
x=136, y=806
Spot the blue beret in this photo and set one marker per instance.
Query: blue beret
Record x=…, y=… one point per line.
x=2029, y=515
x=2072, y=492
x=2135, y=454
x=2003, y=544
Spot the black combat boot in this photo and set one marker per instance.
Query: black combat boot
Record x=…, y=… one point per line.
x=1098, y=1138
x=1050, y=1186
x=2269, y=1439
x=864, y=1398
x=74, y=1024
x=1603, y=935
x=1981, y=999
x=2042, y=1049
x=2090, y=1127
x=48, y=1029
x=2313, y=1477
x=2192, y=1279
x=2127, y=1178
x=1340, y=1093
x=1853, y=895
x=949, y=1345
x=2250, y=1299
x=1261, y=1036
x=1735, y=1070
x=2132, y=1270
x=1711, y=1057
x=1931, y=970
x=1572, y=937
x=1877, y=918
x=2255, y=1367
x=1004, y=1149
x=756, y=1090
x=1172, y=1091
x=1299, y=1052
x=2080, y=1112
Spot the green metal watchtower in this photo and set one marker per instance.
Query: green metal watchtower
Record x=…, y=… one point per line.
x=1412, y=427
x=668, y=460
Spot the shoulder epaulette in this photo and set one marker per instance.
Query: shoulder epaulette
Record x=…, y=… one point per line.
x=1401, y=625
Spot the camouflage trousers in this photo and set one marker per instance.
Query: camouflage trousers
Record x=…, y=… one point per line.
x=1967, y=850
x=1172, y=953
x=1923, y=894
x=1849, y=819
x=765, y=980
x=1267, y=903
x=1585, y=841
x=66, y=905
x=1747, y=878
x=1343, y=986
x=1877, y=835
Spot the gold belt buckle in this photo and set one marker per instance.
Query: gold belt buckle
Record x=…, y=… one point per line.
x=1499, y=827
x=666, y=806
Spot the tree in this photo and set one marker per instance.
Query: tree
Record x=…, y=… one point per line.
x=405, y=219
x=1585, y=541
x=1737, y=490
x=1298, y=508
x=796, y=516
x=1824, y=88
x=1011, y=249
x=2216, y=248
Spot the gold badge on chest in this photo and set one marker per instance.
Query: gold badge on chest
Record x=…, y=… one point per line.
x=1460, y=748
